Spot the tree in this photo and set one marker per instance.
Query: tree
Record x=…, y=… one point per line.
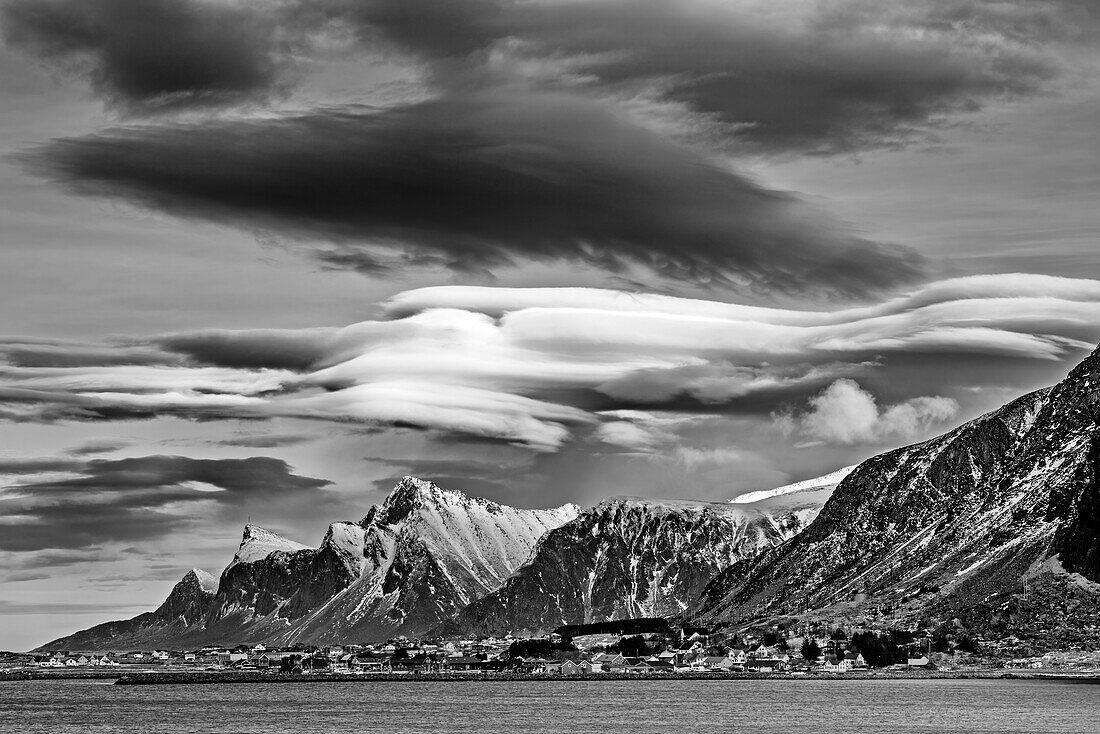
x=878, y=651
x=782, y=645
x=810, y=650
x=539, y=648
x=838, y=634
x=634, y=647
x=770, y=638
x=966, y=644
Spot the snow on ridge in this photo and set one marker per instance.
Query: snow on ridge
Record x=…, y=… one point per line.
x=828, y=480
x=258, y=543
x=207, y=581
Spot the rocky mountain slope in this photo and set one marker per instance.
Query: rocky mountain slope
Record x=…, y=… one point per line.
x=996, y=523
x=629, y=557
x=414, y=561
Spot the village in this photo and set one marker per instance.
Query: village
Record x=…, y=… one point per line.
x=583, y=650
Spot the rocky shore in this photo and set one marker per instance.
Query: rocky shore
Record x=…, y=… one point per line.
x=135, y=679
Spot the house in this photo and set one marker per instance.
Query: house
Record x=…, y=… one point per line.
x=537, y=665
x=669, y=657
x=633, y=665
x=608, y=660
x=834, y=664
x=659, y=666
x=919, y=661
x=766, y=659
x=738, y=656
x=718, y=664
x=573, y=667
x=368, y=663
x=858, y=662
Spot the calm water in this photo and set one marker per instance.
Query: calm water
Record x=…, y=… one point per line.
x=604, y=707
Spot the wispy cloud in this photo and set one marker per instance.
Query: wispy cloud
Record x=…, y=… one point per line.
x=537, y=367
x=78, y=505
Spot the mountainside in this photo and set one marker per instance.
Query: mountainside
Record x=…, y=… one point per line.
x=996, y=523
x=185, y=608
x=414, y=561
x=630, y=557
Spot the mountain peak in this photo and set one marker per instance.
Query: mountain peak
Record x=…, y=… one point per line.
x=205, y=581
x=412, y=494
x=258, y=543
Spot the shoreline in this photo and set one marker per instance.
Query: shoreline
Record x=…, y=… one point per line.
x=232, y=677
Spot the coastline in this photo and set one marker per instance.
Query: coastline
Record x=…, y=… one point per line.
x=234, y=677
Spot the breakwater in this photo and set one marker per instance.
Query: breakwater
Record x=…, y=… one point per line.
x=170, y=678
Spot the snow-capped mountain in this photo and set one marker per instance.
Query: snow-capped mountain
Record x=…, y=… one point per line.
x=414, y=561
x=629, y=557
x=996, y=523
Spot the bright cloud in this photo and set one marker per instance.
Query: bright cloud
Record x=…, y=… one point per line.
x=845, y=413
x=535, y=366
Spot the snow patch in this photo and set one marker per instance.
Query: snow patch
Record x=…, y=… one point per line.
x=258, y=543
x=207, y=581
x=823, y=482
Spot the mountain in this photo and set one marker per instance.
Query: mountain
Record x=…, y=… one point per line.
x=185, y=608
x=414, y=561
x=995, y=524
x=629, y=557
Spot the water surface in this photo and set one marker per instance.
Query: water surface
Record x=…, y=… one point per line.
x=578, y=707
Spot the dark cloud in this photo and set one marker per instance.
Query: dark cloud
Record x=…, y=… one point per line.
x=150, y=55
x=97, y=447
x=20, y=405
x=138, y=498
x=268, y=441
x=779, y=77
x=479, y=182
x=42, y=353
x=37, y=466
x=273, y=349
x=838, y=78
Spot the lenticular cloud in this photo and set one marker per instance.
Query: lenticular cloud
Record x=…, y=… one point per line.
x=538, y=367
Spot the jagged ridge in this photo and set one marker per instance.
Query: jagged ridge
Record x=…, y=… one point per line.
x=996, y=522
x=630, y=557
x=412, y=562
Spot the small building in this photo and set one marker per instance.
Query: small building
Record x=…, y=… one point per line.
x=573, y=667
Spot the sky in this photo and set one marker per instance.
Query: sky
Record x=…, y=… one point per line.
x=260, y=259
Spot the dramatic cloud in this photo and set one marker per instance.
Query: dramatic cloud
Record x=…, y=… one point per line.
x=480, y=181
x=845, y=413
x=551, y=131
x=83, y=504
x=788, y=76
x=542, y=367
x=150, y=55
x=778, y=75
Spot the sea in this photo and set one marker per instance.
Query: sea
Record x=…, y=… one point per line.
x=574, y=707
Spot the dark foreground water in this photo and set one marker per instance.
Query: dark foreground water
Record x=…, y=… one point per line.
x=600, y=707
